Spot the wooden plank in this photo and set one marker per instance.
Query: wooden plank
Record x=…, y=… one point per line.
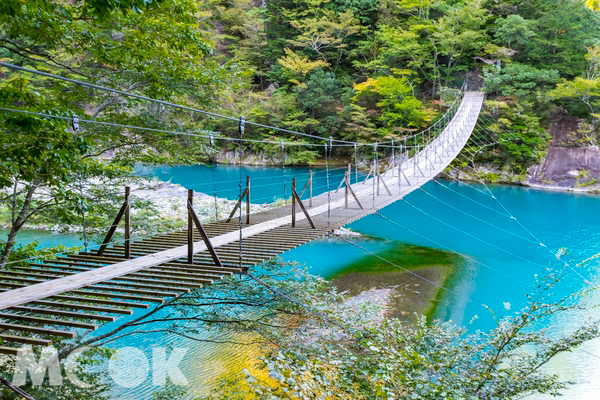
x=38, y=310
x=200, y=256
x=99, y=294
x=100, y=285
x=247, y=250
x=93, y=300
x=37, y=330
x=199, y=267
x=310, y=221
x=48, y=321
x=150, y=273
x=205, y=238
x=96, y=300
x=190, y=226
x=11, y=351
x=85, y=307
x=237, y=205
x=127, y=223
x=26, y=340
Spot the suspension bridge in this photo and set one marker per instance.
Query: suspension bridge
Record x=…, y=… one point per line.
x=68, y=295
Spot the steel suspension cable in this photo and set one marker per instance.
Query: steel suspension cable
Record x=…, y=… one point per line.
x=355, y=163
x=375, y=170
x=211, y=140
x=241, y=132
x=328, y=189
x=283, y=169
x=471, y=236
x=162, y=102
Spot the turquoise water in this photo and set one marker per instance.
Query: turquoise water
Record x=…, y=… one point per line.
x=44, y=238
x=267, y=183
x=498, y=265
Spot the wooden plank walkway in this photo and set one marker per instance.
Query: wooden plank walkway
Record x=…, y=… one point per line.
x=84, y=290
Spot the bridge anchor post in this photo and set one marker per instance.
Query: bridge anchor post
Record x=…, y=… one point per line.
x=380, y=178
x=296, y=198
x=124, y=211
x=245, y=194
x=344, y=179
x=351, y=191
x=309, y=187
x=194, y=220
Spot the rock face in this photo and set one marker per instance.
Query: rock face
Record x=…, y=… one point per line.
x=571, y=161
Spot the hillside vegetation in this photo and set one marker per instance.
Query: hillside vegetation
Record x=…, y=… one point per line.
x=367, y=70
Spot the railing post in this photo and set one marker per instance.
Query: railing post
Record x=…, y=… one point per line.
x=347, y=178
x=399, y=166
x=349, y=173
x=393, y=158
x=310, y=174
x=293, y=203
x=377, y=177
x=127, y=223
x=190, y=232
x=248, y=200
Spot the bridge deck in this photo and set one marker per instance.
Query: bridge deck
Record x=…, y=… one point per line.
x=81, y=291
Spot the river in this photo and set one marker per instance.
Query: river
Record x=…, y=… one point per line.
x=489, y=258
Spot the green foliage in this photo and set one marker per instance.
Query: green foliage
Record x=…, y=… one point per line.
x=334, y=353
x=170, y=392
x=90, y=8
x=519, y=79
x=394, y=101
x=21, y=253
x=131, y=53
x=514, y=31
x=521, y=139
x=562, y=35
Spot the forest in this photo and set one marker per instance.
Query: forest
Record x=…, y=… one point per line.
x=356, y=70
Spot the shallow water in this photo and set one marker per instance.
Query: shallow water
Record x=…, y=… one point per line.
x=496, y=260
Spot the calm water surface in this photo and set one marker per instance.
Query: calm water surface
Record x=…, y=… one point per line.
x=499, y=258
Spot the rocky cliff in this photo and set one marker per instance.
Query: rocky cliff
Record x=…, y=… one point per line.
x=573, y=159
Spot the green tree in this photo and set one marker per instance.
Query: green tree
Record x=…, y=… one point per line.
x=129, y=51
x=521, y=139
x=514, y=31
x=519, y=79
x=393, y=99
x=585, y=90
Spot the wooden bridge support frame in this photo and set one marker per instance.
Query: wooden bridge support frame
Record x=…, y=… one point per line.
x=124, y=211
x=344, y=180
x=309, y=186
x=246, y=194
x=349, y=189
x=296, y=198
x=194, y=220
x=368, y=175
x=380, y=179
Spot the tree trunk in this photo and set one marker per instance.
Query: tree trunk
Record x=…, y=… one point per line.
x=17, y=223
